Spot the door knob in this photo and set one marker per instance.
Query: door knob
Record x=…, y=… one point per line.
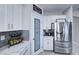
x=8, y=26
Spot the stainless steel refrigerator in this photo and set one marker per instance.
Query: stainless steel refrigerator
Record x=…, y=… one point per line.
x=63, y=36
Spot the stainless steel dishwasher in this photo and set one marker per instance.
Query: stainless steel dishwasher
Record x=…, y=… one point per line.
x=63, y=36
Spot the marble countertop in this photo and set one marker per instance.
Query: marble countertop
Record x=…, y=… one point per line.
x=14, y=50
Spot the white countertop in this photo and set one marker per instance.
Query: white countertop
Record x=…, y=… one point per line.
x=51, y=37
x=16, y=49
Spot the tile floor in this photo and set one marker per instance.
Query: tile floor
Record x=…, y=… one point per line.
x=49, y=53
x=52, y=53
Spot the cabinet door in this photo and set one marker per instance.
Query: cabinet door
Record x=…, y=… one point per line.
x=48, y=43
x=17, y=17
x=26, y=17
x=2, y=17
x=51, y=44
x=9, y=16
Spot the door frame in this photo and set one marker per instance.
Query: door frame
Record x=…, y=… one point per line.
x=37, y=52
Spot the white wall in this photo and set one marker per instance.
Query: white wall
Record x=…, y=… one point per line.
x=76, y=35
x=69, y=13
x=76, y=13
x=76, y=29
x=46, y=13
x=50, y=19
x=76, y=26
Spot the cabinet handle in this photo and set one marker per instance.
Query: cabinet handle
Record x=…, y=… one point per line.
x=8, y=26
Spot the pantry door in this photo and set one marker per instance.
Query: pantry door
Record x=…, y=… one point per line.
x=36, y=34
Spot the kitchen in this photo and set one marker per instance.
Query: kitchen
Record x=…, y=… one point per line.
x=17, y=29
x=29, y=29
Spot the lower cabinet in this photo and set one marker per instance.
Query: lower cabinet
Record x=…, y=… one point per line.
x=48, y=43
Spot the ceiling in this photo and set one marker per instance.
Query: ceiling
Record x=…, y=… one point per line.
x=57, y=7
x=54, y=7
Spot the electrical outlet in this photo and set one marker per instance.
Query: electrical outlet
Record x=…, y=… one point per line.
x=2, y=37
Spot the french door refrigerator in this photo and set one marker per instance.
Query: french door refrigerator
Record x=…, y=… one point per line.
x=63, y=36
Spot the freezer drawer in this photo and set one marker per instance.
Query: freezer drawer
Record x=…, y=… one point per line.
x=63, y=50
x=63, y=44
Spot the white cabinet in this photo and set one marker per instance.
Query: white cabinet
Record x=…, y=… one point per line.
x=10, y=17
x=14, y=17
x=2, y=17
x=48, y=43
x=17, y=17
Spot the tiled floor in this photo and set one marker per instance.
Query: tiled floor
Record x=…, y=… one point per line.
x=49, y=53
x=52, y=53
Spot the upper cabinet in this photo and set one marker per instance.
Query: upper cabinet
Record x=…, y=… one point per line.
x=26, y=17
x=14, y=17
x=10, y=17
x=17, y=17
x=2, y=16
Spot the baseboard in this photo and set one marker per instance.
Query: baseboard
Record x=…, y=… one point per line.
x=48, y=50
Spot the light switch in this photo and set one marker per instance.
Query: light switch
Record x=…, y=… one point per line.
x=2, y=37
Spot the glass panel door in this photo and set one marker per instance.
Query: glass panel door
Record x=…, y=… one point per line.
x=36, y=34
